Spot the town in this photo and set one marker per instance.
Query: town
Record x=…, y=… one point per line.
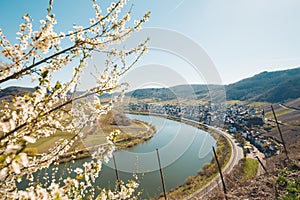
x=244, y=122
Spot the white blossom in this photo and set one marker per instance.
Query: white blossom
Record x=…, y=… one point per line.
x=12, y=148
x=39, y=54
x=29, y=139
x=3, y=173
x=16, y=167
x=24, y=159
x=79, y=170
x=106, y=159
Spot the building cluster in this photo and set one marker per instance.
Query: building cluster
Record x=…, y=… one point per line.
x=240, y=120
x=206, y=114
x=246, y=121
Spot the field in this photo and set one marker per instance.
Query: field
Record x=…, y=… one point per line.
x=279, y=112
x=257, y=104
x=42, y=145
x=250, y=168
x=289, y=124
x=132, y=132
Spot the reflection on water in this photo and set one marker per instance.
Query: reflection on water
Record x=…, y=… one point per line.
x=183, y=151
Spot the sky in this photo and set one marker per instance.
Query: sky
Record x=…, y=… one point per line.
x=236, y=38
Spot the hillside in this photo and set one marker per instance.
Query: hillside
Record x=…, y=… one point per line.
x=8, y=93
x=273, y=87
x=287, y=90
x=277, y=86
x=191, y=92
x=115, y=118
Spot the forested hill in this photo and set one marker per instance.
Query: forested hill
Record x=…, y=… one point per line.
x=278, y=86
x=272, y=87
x=180, y=91
x=8, y=93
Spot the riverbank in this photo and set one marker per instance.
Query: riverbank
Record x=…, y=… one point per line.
x=204, y=175
x=125, y=140
x=132, y=132
x=210, y=170
x=203, y=127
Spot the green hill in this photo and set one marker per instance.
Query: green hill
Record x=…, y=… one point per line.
x=8, y=93
x=278, y=86
x=271, y=87
x=193, y=92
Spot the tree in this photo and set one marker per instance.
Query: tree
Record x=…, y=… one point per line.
x=30, y=117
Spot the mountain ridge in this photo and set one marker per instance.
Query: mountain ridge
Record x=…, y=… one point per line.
x=266, y=86
x=273, y=87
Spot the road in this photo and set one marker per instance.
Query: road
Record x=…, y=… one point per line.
x=288, y=107
x=236, y=156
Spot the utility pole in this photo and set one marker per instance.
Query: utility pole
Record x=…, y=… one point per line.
x=286, y=153
x=117, y=174
x=220, y=171
x=261, y=164
x=161, y=175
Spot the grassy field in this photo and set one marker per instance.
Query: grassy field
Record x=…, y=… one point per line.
x=279, y=112
x=250, y=168
x=231, y=102
x=258, y=104
x=42, y=145
x=132, y=132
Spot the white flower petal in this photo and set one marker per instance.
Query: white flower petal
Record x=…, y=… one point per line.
x=16, y=167
x=3, y=173
x=29, y=139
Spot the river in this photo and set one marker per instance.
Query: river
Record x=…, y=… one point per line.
x=183, y=150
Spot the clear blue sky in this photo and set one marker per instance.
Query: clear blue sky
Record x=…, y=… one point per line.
x=242, y=37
